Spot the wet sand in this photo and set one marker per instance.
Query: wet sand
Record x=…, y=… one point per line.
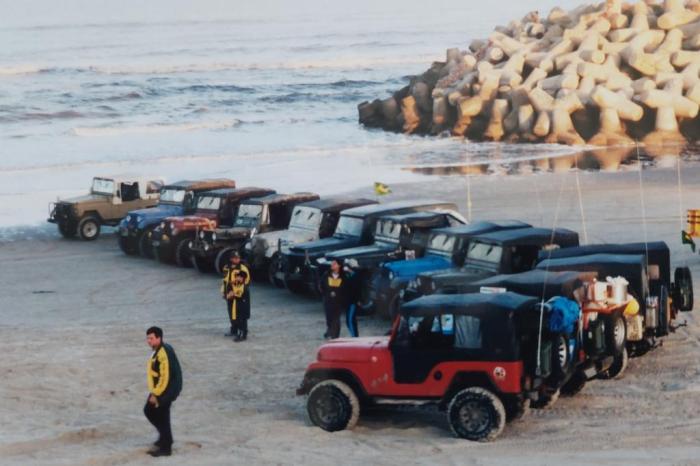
x=73, y=367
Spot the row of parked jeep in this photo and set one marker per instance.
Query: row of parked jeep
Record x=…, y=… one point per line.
x=489, y=318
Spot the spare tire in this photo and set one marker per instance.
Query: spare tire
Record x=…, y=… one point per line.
x=683, y=289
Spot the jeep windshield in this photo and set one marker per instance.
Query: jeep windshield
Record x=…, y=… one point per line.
x=102, y=186
x=172, y=196
x=349, y=227
x=441, y=244
x=208, y=203
x=387, y=231
x=306, y=218
x=484, y=252
x=248, y=216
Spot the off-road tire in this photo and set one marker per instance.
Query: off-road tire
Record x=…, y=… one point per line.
x=67, y=230
x=125, y=246
x=616, y=334
x=476, y=414
x=145, y=246
x=516, y=408
x=617, y=368
x=221, y=260
x=333, y=406
x=272, y=269
x=200, y=264
x=683, y=289
x=183, y=254
x=574, y=385
x=89, y=228
x=664, y=313
x=547, y=398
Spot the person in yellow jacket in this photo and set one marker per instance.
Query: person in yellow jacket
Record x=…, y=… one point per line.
x=164, y=378
x=234, y=289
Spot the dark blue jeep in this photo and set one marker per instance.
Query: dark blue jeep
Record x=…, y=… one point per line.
x=175, y=199
x=446, y=247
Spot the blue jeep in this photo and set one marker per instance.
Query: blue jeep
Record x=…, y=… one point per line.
x=447, y=247
x=175, y=199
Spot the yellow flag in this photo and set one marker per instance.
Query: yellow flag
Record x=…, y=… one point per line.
x=381, y=189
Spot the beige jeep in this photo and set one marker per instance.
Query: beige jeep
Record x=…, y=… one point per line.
x=110, y=198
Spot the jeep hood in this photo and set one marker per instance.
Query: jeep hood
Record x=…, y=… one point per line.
x=157, y=213
x=288, y=236
x=324, y=245
x=86, y=198
x=350, y=349
x=193, y=222
x=232, y=232
x=453, y=280
x=366, y=256
x=411, y=268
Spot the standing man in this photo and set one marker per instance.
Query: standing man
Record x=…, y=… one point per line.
x=336, y=287
x=164, y=385
x=234, y=289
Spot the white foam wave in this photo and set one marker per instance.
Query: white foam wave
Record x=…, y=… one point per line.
x=153, y=129
x=19, y=70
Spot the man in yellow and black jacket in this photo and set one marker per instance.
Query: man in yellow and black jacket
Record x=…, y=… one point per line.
x=235, y=290
x=164, y=385
x=336, y=289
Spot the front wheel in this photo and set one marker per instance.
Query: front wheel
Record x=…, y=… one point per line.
x=222, y=259
x=332, y=405
x=125, y=246
x=616, y=333
x=89, y=228
x=476, y=414
x=182, y=253
x=272, y=270
x=67, y=230
x=145, y=246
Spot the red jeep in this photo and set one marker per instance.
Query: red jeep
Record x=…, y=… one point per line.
x=473, y=355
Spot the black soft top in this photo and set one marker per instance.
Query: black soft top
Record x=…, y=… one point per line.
x=398, y=207
x=335, y=204
x=419, y=219
x=283, y=198
x=481, y=227
x=657, y=253
x=630, y=266
x=237, y=193
x=490, y=305
x=539, y=283
x=202, y=185
x=531, y=236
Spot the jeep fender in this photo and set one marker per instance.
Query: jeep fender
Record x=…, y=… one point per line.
x=462, y=380
x=93, y=213
x=313, y=377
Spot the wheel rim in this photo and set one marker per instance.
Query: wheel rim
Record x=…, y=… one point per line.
x=474, y=416
x=619, y=333
x=328, y=408
x=89, y=229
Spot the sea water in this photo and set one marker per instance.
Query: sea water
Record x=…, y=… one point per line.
x=264, y=92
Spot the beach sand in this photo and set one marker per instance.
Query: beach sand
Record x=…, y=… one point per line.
x=72, y=340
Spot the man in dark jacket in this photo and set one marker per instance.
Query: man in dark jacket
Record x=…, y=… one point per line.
x=164, y=385
x=336, y=289
x=234, y=288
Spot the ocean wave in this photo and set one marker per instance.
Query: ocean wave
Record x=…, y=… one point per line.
x=148, y=69
x=153, y=129
x=215, y=88
x=64, y=114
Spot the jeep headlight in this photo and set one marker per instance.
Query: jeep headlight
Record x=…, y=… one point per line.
x=190, y=244
x=432, y=286
x=201, y=235
x=172, y=226
x=128, y=218
x=174, y=231
x=248, y=246
x=213, y=236
x=391, y=275
x=162, y=225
